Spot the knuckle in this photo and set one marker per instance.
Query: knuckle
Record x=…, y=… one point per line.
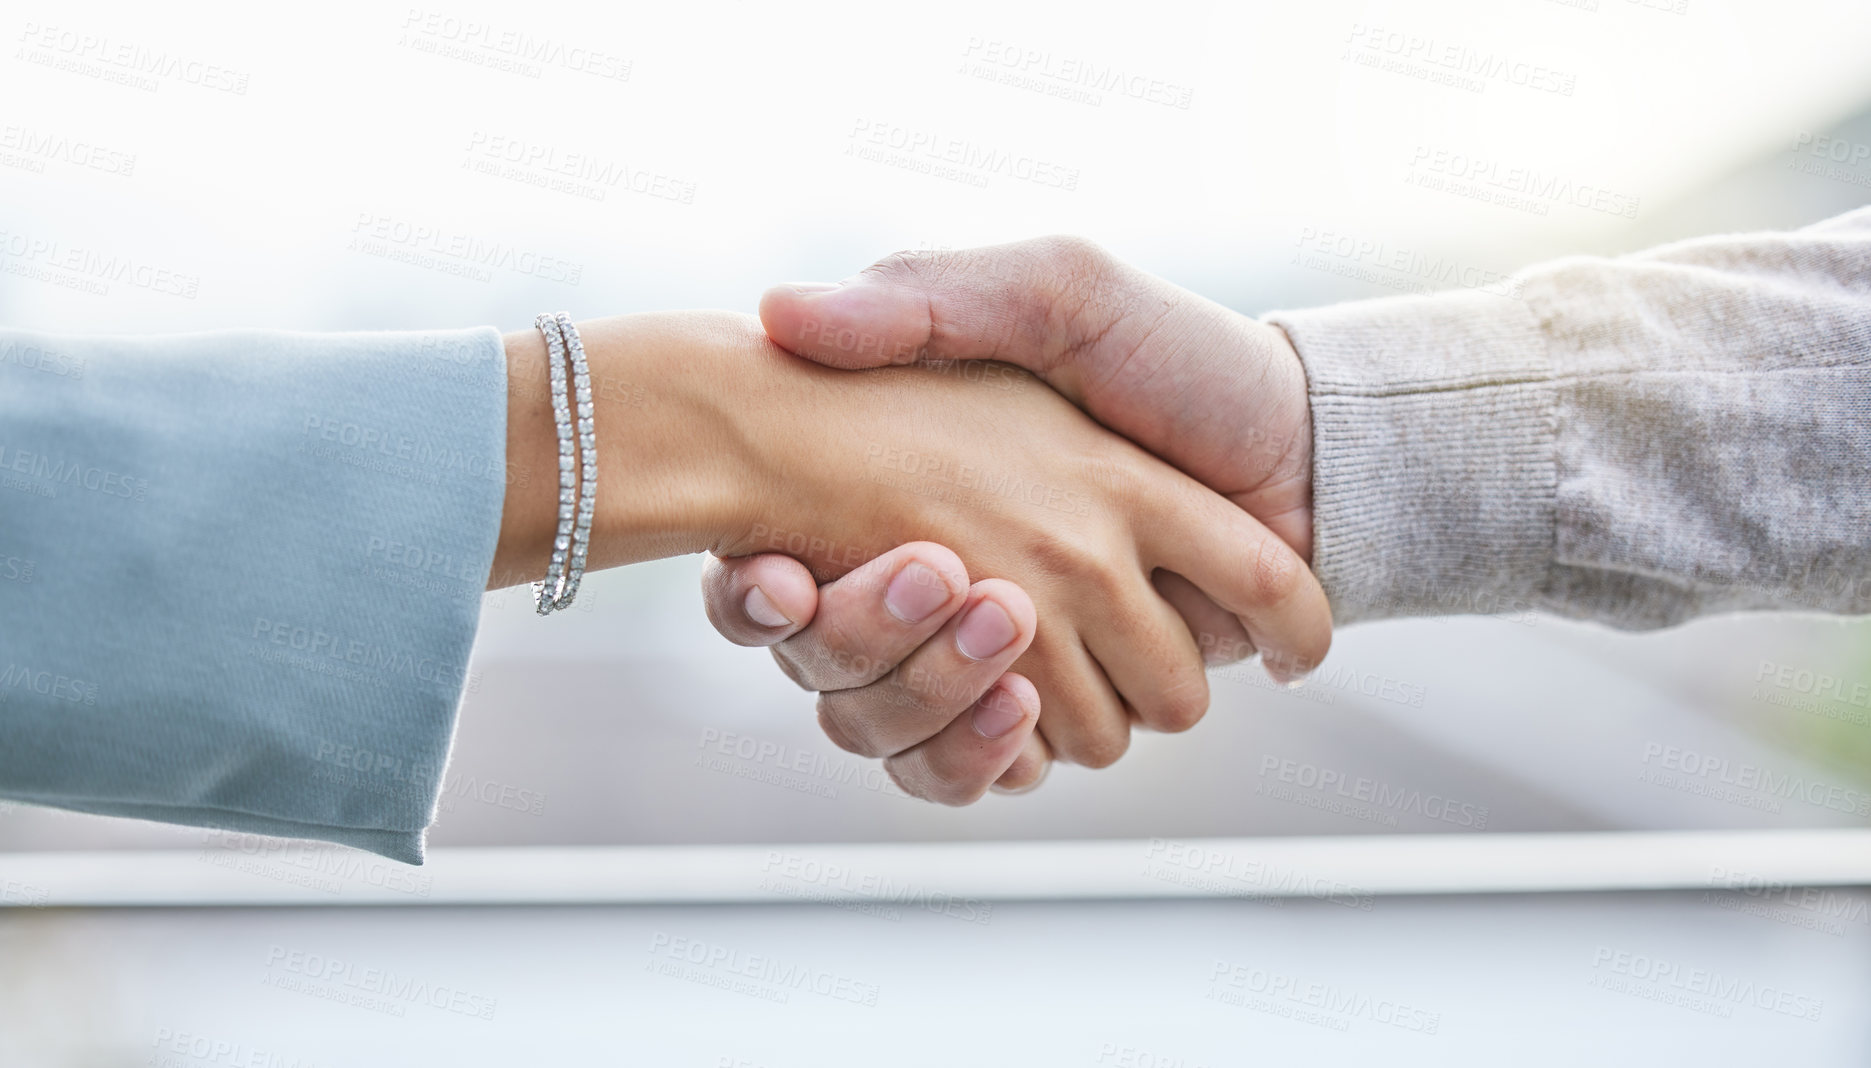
x=1224, y=648
x=948, y=778
x=958, y=797
x=1026, y=775
x=905, y=264
x=1100, y=748
x=847, y=729
x=1066, y=554
x=783, y=656
x=923, y=695
x=1179, y=707
x=1080, y=276
x=1072, y=253
x=894, y=769
x=1114, y=475
x=839, y=639
x=1274, y=576
x=839, y=656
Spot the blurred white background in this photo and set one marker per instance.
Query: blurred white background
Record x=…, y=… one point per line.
x=363, y=166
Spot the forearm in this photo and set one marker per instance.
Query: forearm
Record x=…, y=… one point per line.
x=1637, y=440
x=240, y=573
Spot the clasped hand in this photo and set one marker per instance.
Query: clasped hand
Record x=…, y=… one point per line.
x=1021, y=559
x=891, y=648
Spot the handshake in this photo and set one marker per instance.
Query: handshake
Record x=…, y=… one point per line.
x=1074, y=565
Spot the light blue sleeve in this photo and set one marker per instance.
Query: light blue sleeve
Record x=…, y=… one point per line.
x=241, y=572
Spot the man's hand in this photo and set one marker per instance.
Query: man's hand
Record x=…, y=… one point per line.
x=886, y=646
x=1213, y=392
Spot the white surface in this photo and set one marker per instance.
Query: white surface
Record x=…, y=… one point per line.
x=1522, y=981
x=245, y=870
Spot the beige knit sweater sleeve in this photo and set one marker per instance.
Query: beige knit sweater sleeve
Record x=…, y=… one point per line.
x=1637, y=440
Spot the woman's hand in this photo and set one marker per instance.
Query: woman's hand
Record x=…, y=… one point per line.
x=739, y=448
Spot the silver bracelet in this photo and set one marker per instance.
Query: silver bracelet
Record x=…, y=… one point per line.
x=546, y=594
x=587, y=459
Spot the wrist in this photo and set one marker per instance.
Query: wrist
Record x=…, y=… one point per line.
x=670, y=461
x=1269, y=447
x=1294, y=468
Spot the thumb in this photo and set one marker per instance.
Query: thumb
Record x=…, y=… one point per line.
x=1031, y=304
x=863, y=322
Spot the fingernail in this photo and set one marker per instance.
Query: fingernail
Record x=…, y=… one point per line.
x=915, y=592
x=1292, y=679
x=759, y=608
x=804, y=288
x=1285, y=669
x=997, y=713
x=984, y=631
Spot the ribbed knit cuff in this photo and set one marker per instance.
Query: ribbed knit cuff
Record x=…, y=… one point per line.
x=1434, y=477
